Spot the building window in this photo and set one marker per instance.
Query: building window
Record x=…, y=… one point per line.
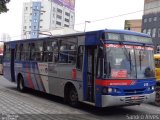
x=145, y=20
x=59, y=17
x=35, y=14
x=66, y=25
x=154, y=32
x=150, y=19
x=67, y=20
x=36, y=7
x=58, y=23
x=53, y=9
x=35, y=27
x=35, y=20
x=67, y=14
x=59, y=10
x=149, y=32
x=26, y=8
x=155, y=19
x=25, y=27
x=33, y=33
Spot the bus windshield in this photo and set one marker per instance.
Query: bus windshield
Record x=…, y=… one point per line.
x=125, y=61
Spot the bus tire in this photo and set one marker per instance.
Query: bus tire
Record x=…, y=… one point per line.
x=157, y=100
x=73, y=97
x=20, y=84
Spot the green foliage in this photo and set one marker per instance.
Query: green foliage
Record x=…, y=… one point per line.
x=3, y=7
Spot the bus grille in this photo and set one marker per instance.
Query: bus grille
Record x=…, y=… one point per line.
x=130, y=100
x=134, y=92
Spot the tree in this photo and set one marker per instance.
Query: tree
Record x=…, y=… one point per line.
x=3, y=7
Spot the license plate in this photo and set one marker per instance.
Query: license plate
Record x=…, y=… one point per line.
x=135, y=97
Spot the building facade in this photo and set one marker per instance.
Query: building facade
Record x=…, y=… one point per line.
x=134, y=25
x=151, y=21
x=46, y=15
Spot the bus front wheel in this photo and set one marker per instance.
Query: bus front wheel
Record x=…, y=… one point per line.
x=157, y=101
x=73, y=97
x=20, y=84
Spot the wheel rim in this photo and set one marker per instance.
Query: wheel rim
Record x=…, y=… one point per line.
x=21, y=84
x=73, y=97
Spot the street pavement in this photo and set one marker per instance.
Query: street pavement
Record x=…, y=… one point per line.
x=34, y=105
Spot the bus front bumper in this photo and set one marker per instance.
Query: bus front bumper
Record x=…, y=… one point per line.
x=108, y=100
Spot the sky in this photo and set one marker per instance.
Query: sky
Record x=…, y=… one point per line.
x=101, y=14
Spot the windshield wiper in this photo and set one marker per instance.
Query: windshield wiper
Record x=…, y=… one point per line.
x=128, y=55
x=140, y=60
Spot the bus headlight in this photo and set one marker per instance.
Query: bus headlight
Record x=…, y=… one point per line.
x=151, y=88
x=110, y=90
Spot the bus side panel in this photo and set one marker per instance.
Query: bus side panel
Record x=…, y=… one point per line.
x=7, y=70
x=61, y=74
x=32, y=75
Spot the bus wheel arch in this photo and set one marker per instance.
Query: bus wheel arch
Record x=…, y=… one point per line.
x=20, y=83
x=71, y=94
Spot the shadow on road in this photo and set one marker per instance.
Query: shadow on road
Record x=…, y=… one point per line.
x=102, y=112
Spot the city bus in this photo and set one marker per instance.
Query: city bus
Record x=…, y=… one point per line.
x=157, y=65
x=101, y=68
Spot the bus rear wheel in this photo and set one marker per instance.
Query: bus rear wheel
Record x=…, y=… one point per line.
x=157, y=100
x=20, y=84
x=73, y=97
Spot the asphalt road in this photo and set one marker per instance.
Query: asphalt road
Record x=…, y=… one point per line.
x=34, y=105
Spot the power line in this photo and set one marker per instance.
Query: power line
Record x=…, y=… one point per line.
x=120, y=15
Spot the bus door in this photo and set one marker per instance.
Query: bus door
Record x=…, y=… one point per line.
x=90, y=82
x=12, y=65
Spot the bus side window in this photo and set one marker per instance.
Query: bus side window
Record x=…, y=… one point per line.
x=49, y=48
x=68, y=50
x=25, y=52
x=17, y=54
x=7, y=52
x=100, y=62
x=80, y=57
x=21, y=51
x=38, y=50
x=32, y=45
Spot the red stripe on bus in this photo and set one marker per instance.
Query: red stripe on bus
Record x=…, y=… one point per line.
x=113, y=82
x=29, y=78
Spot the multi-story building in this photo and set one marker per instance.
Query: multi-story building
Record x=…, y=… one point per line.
x=46, y=15
x=134, y=25
x=151, y=21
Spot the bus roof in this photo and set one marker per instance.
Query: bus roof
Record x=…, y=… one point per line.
x=127, y=32
x=87, y=33
x=157, y=56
